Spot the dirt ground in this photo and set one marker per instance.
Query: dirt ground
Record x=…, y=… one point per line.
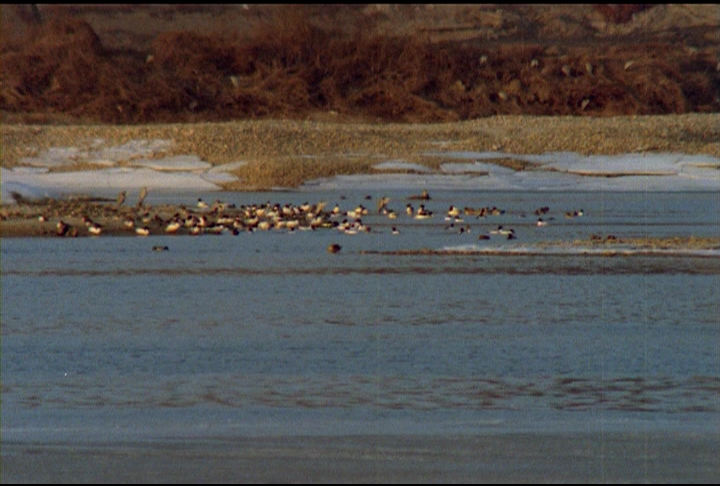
x=126, y=64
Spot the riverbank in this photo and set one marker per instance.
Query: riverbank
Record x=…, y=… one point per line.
x=269, y=154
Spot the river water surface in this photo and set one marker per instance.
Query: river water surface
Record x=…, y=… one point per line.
x=267, y=334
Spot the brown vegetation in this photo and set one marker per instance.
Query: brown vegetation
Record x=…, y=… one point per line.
x=295, y=63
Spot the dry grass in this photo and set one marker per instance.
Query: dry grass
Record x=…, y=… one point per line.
x=642, y=243
x=676, y=242
x=292, y=171
x=293, y=65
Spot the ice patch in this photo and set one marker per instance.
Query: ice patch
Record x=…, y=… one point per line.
x=478, y=167
x=144, y=167
x=176, y=163
x=227, y=167
x=64, y=156
x=563, y=171
x=402, y=165
x=105, y=182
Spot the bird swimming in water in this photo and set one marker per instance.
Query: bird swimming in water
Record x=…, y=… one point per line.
x=424, y=196
x=334, y=248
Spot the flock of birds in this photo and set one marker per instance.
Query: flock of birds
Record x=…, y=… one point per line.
x=220, y=218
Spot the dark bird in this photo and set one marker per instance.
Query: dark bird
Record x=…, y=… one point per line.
x=425, y=196
x=62, y=228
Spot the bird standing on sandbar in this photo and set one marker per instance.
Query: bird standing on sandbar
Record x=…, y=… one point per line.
x=121, y=198
x=143, y=195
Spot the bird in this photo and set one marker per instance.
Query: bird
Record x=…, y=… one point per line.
x=423, y=213
x=141, y=198
x=62, y=228
x=95, y=229
x=129, y=223
x=144, y=231
x=425, y=196
x=334, y=248
x=173, y=226
x=382, y=203
x=121, y=198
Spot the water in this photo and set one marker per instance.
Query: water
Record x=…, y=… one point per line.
x=268, y=334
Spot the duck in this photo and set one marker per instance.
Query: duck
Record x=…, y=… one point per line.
x=574, y=214
x=395, y=231
x=334, y=248
x=215, y=229
x=95, y=229
x=62, y=228
x=424, y=196
x=453, y=212
x=129, y=223
x=173, y=226
x=423, y=213
x=509, y=232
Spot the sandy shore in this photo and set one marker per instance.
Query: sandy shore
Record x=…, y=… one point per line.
x=504, y=458
x=289, y=153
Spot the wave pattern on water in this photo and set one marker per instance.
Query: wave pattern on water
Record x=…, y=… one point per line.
x=630, y=393
x=524, y=264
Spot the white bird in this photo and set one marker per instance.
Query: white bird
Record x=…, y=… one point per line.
x=173, y=226
x=95, y=229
